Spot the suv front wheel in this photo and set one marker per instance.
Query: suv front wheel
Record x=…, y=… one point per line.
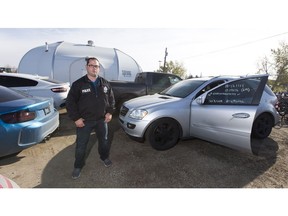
x=163, y=134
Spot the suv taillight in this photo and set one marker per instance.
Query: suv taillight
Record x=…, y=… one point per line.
x=277, y=105
x=18, y=117
x=59, y=90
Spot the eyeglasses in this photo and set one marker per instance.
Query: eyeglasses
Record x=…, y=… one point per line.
x=94, y=66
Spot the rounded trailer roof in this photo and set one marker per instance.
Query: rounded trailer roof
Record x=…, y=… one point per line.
x=58, y=59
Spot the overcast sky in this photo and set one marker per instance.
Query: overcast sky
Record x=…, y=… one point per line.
x=206, y=51
x=207, y=37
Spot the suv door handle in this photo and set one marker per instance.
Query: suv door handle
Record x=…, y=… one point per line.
x=241, y=115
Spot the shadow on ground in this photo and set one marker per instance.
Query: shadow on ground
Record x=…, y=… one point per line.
x=10, y=159
x=191, y=164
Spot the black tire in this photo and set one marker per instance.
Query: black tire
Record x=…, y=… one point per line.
x=262, y=126
x=282, y=108
x=286, y=119
x=163, y=134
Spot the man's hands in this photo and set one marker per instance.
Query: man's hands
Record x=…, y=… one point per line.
x=108, y=117
x=80, y=122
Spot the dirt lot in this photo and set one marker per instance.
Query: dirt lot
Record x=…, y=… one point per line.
x=191, y=164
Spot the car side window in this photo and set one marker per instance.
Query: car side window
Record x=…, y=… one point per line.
x=240, y=92
x=161, y=80
x=16, y=81
x=174, y=79
x=209, y=86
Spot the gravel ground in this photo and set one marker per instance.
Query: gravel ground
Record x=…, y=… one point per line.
x=191, y=164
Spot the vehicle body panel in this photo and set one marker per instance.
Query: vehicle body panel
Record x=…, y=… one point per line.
x=21, y=135
x=146, y=83
x=228, y=123
x=221, y=125
x=37, y=86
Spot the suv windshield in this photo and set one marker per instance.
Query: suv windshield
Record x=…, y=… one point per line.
x=183, y=88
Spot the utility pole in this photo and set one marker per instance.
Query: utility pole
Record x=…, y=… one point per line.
x=166, y=54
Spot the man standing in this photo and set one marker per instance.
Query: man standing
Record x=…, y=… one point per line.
x=90, y=104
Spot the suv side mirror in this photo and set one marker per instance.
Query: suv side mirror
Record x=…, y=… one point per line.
x=200, y=100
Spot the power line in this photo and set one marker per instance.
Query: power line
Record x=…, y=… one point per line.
x=235, y=46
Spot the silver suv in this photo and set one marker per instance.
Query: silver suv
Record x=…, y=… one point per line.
x=229, y=111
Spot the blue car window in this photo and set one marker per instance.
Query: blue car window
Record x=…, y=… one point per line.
x=7, y=94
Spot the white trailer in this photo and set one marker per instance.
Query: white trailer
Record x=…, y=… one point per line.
x=65, y=61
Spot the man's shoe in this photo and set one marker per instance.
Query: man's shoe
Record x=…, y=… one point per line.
x=76, y=173
x=107, y=162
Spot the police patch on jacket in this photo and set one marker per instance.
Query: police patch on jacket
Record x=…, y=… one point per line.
x=105, y=89
x=86, y=90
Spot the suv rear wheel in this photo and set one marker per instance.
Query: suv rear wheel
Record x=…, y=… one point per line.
x=262, y=126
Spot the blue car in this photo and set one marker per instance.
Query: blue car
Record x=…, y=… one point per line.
x=24, y=120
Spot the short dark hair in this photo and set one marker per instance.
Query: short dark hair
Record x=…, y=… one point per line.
x=87, y=59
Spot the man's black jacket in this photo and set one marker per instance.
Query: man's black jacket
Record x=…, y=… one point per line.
x=89, y=102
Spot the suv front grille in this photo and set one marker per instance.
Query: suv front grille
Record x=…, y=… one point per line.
x=123, y=111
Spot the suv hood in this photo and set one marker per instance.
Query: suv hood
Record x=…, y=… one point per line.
x=147, y=100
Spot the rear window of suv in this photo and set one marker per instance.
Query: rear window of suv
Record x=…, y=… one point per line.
x=10, y=81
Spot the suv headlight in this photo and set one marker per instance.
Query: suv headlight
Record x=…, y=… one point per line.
x=138, y=114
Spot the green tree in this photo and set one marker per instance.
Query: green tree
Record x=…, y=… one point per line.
x=278, y=67
x=176, y=68
x=264, y=66
x=280, y=56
